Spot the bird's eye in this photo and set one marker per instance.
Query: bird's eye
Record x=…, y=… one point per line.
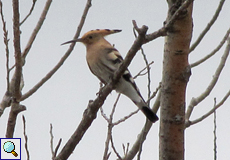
x=90, y=37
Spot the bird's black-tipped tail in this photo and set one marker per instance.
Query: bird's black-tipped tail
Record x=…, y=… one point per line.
x=149, y=114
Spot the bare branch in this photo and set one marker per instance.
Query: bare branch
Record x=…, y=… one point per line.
x=114, y=107
x=114, y=149
x=154, y=93
x=216, y=106
x=213, y=52
x=31, y=10
x=110, y=119
x=6, y=40
x=132, y=52
x=159, y=33
x=6, y=101
x=104, y=115
x=209, y=25
x=57, y=147
x=163, y=31
x=110, y=127
x=126, y=117
x=215, y=136
x=15, y=109
x=36, y=29
x=26, y=137
x=109, y=135
x=216, y=76
x=142, y=136
x=62, y=60
x=140, y=73
x=15, y=84
x=140, y=151
x=140, y=139
x=125, y=149
x=51, y=140
x=16, y=80
x=54, y=152
x=146, y=63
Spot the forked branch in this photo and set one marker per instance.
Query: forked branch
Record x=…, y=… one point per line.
x=213, y=52
x=62, y=60
x=216, y=106
x=195, y=101
x=207, y=28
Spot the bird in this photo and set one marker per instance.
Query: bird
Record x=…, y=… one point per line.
x=103, y=60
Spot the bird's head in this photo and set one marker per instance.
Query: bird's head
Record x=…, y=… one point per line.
x=93, y=36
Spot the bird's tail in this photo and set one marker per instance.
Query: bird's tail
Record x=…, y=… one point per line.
x=128, y=87
x=149, y=113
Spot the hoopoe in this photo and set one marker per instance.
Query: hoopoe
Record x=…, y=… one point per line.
x=103, y=60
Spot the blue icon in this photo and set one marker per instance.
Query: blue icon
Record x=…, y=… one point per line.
x=9, y=147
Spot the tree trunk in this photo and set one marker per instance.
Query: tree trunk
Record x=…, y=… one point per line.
x=176, y=73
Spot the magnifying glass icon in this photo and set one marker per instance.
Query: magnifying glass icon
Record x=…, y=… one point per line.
x=9, y=147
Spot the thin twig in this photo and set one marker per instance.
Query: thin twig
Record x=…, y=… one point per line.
x=11, y=68
x=140, y=72
x=104, y=115
x=6, y=100
x=110, y=127
x=114, y=149
x=148, y=72
x=126, y=117
x=213, y=52
x=146, y=63
x=109, y=134
x=6, y=40
x=125, y=149
x=51, y=140
x=188, y=124
x=154, y=93
x=54, y=152
x=195, y=101
x=26, y=137
x=114, y=108
x=31, y=10
x=36, y=29
x=62, y=60
x=142, y=135
x=215, y=136
x=209, y=25
x=57, y=147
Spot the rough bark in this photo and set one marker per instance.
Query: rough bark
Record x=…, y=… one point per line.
x=176, y=73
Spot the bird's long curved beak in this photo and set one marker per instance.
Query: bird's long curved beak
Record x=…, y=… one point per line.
x=72, y=41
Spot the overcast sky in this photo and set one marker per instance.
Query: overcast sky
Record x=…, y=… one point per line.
x=63, y=99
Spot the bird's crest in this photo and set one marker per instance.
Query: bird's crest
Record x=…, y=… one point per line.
x=102, y=32
x=93, y=35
